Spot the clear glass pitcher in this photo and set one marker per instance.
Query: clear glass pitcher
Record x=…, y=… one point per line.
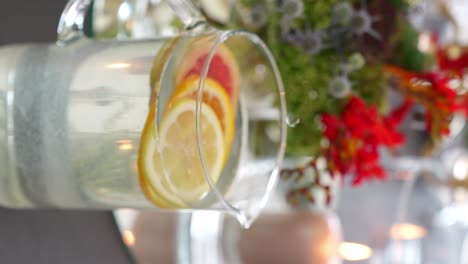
x=196, y=121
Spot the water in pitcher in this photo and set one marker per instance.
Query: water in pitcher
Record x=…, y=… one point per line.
x=72, y=122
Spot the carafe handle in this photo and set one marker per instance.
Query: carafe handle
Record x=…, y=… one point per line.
x=70, y=27
x=188, y=13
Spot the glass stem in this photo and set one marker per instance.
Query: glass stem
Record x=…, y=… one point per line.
x=188, y=13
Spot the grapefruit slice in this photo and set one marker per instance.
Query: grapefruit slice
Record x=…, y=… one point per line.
x=223, y=68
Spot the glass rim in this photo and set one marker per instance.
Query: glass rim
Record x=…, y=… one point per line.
x=221, y=38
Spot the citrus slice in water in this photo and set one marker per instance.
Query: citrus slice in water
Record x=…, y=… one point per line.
x=223, y=67
x=215, y=96
x=149, y=162
x=171, y=174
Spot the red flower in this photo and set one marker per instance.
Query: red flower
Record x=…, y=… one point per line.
x=355, y=137
x=369, y=166
x=397, y=115
x=431, y=90
x=440, y=83
x=452, y=66
x=332, y=125
x=457, y=66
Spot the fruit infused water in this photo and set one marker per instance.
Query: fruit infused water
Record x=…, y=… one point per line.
x=164, y=123
x=171, y=170
x=195, y=150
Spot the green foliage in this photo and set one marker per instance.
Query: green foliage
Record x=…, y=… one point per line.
x=306, y=83
x=370, y=85
x=407, y=55
x=307, y=78
x=318, y=13
x=307, y=94
x=401, y=4
x=249, y=3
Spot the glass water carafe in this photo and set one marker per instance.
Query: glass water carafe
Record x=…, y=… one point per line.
x=174, y=123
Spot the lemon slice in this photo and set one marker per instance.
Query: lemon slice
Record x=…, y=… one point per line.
x=170, y=170
x=147, y=166
x=215, y=96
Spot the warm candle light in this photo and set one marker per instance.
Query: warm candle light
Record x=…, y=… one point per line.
x=406, y=231
x=118, y=65
x=460, y=168
x=125, y=144
x=354, y=251
x=128, y=238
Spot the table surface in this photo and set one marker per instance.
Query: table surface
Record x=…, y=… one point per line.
x=56, y=237
x=51, y=236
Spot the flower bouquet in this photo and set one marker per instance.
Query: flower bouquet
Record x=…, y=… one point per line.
x=355, y=72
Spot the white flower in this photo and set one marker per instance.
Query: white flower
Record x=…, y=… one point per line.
x=293, y=8
x=258, y=17
x=342, y=13
x=361, y=23
x=312, y=42
x=340, y=86
x=355, y=62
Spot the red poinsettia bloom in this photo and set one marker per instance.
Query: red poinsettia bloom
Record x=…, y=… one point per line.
x=355, y=137
x=397, y=115
x=332, y=126
x=456, y=66
x=433, y=91
x=439, y=82
x=369, y=166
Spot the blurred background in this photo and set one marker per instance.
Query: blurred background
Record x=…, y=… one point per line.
x=415, y=216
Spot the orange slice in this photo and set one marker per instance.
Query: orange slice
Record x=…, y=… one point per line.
x=215, y=96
